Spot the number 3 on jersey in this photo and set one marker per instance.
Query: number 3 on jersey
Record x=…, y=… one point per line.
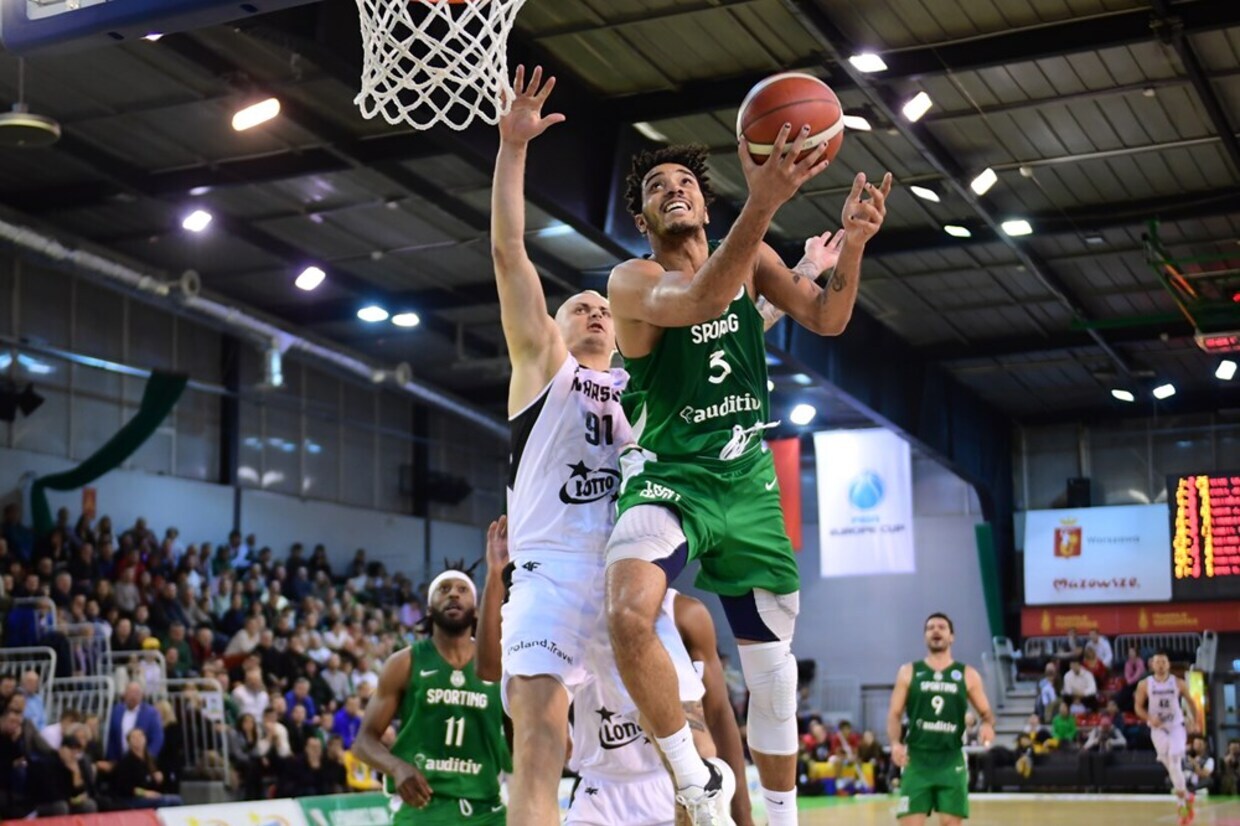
x=720, y=363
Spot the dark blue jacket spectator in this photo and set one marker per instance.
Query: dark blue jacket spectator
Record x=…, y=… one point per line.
x=145, y=718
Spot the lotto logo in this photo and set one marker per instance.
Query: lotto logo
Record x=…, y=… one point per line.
x=654, y=490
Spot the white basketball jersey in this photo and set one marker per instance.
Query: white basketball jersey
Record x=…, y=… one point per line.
x=1164, y=700
x=607, y=744
x=563, y=476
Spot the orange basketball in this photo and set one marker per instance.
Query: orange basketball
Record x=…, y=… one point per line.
x=795, y=98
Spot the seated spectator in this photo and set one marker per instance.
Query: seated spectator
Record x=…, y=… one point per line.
x=300, y=730
x=136, y=781
x=1070, y=649
x=1134, y=667
x=336, y=679
x=1229, y=778
x=1063, y=727
x=1198, y=764
x=133, y=714
x=171, y=758
x=348, y=721
x=34, y=700
x=245, y=640
x=307, y=774
x=1102, y=647
x=871, y=757
x=60, y=785
x=1094, y=666
x=1037, y=731
x=251, y=696
x=1105, y=737
x=299, y=695
x=124, y=638
x=54, y=733
x=243, y=753
x=1079, y=687
x=1048, y=694
x=201, y=647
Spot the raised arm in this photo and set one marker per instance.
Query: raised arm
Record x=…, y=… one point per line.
x=640, y=290
x=369, y=748
x=977, y=696
x=698, y=631
x=826, y=309
x=487, y=658
x=895, y=715
x=534, y=344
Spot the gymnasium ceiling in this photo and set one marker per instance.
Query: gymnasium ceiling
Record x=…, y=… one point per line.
x=1097, y=115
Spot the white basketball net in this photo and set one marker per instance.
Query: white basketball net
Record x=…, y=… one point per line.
x=431, y=61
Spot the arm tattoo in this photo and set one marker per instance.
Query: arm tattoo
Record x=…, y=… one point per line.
x=838, y=281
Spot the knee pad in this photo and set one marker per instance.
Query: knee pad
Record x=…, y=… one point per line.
x=651, y=533
x=771, y=676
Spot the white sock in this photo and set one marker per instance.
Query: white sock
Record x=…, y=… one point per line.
x=682, y=756
x=1175, y=768
x=781, y=807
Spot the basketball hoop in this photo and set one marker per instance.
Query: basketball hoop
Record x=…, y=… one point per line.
x=436, y=61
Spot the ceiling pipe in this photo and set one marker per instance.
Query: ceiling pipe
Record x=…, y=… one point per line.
x=185, y=293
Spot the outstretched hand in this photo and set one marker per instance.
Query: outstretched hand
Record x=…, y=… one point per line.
x=497, y=545
x=862, y=218
x=824, y=250
x=525, y=120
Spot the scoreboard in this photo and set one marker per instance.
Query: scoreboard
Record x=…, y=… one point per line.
x=1205, y=535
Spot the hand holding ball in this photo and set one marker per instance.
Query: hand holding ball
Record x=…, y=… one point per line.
x=797, y=99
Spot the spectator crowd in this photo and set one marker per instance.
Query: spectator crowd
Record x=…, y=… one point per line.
x=222, y=655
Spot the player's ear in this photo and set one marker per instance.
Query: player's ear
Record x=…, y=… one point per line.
x=640, y=221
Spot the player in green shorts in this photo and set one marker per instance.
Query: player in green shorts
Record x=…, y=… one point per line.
x=450, y=746
x=936, y=693
x=698, y=483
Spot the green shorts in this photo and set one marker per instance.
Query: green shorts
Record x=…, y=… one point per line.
x=934, y=781
x=729, y=512
x=450, y=811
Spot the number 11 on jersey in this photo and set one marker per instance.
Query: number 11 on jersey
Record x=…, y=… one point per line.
x=456, y=732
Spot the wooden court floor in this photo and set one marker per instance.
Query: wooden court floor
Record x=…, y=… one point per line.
x=1036, y=811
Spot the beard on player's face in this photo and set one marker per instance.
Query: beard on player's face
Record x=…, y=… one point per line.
x=457, y=621
x=939, y=644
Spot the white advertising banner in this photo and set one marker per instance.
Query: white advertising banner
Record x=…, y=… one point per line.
x=865, y=503
x=252, y=813
x=1091, y=555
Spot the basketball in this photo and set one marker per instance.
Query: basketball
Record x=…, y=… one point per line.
x=795, y=98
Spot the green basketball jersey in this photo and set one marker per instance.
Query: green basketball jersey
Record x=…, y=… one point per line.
x=701, y=394
x=451, y=728
x=937, y=703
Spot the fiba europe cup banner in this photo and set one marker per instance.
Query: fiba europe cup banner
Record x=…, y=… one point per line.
x=865, y=503
x=1092, y=555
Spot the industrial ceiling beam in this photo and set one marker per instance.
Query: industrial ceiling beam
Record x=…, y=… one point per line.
x=1172, y=29
x=836, y=44
x=997, y=348
x=1007, y=47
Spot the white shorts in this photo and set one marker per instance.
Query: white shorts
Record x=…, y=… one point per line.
x=551, y=618
x=1171, y=743
x=648, y=801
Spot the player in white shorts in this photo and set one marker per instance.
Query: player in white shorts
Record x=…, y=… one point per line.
x=623, y=778
x=1160, y=701
x=567, y=429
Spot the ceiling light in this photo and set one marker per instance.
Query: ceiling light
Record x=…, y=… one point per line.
x=867, y=62
x=857, y=123
x=770, y=386
x=1095, y=240
x=310, y=278
x=1164, y=391
x=406, y=320
x=802, y=414
x=983, y=182
x=372, y=314
x=650, y=133
x=1017, y=227
x=957, y=231
x=197, y=220
x=199, y=190
x=252, y=116
x=153, y=36
x=801, y=379
x=1124, y=395
x=556, y=229
x=918, y=106
x=1226, y=370
x=925, y=194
